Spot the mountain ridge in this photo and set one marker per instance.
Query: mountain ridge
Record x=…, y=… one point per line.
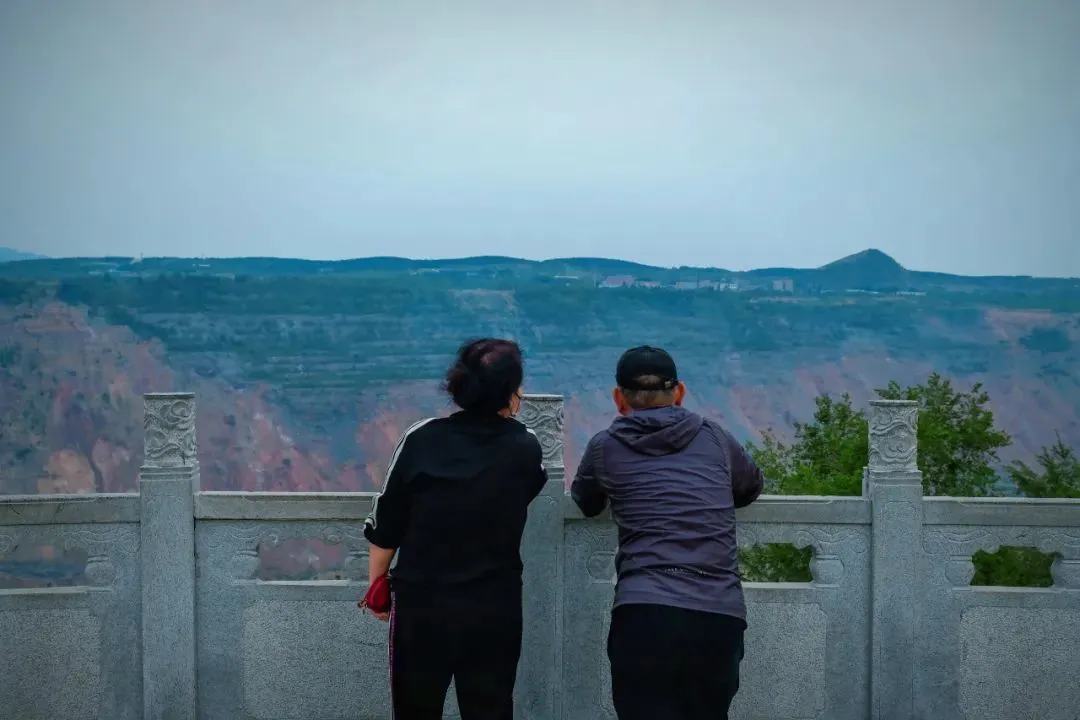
x=12, y=255
x=870, y=269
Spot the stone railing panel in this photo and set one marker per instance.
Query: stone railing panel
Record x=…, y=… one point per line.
x=273, y=649
x=997, y=653
x=588, y=591
x=808, y=633
x=74, y=650
x=539, y=692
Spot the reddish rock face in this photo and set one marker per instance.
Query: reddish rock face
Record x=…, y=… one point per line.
x=67, y=471
x=113, y=463
x=73, y=417
x=71, y=405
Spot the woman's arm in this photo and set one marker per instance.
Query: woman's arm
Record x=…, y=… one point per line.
x=379, y=560
x=385, y=526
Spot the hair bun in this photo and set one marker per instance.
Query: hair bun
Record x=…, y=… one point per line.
x=470, y=388
x=485, y=375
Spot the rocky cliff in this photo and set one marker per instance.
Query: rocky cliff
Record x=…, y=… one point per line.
x=306, y=379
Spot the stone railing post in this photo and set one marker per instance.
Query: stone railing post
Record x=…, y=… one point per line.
x=168, y=476
x=894, y=485
x=540, y=670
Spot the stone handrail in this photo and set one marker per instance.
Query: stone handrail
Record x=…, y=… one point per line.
x=889, y=628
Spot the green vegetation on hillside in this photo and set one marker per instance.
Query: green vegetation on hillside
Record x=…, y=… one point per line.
x=958, y=444
x=733, y=321
x=722, y=321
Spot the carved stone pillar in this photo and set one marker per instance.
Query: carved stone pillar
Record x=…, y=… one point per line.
x=169, y=474
x=894, y=485
x=539, y=686
x=543, y=414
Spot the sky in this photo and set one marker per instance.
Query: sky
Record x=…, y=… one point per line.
x=691, y=132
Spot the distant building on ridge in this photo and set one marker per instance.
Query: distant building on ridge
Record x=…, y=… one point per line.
x=614, y=281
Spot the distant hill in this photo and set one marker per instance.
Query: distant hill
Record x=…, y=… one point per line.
x=10, y=255
x=869, y=268
x=870, y=271
x=308, y=371
x=862, y=270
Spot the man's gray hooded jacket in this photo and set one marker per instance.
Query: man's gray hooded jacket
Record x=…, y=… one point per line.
x=673, y=480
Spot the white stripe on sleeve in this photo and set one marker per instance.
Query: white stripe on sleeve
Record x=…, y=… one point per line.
x=533, y=433
x=372, y=518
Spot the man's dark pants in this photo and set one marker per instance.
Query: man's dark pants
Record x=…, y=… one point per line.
x=668, y=663
x=471, y=636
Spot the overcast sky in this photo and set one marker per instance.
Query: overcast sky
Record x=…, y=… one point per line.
x=736, y=134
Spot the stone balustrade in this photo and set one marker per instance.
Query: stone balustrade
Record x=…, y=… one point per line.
x=172, y=619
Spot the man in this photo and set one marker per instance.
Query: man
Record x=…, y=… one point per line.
x=673, y=480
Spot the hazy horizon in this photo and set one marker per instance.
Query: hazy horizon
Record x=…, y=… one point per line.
x=780, y=266
x=709, y=134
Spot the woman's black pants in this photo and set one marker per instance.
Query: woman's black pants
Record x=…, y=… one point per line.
x=668, y=663
x=470, y=635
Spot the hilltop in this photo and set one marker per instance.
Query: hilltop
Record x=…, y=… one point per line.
x=871, y=268
x=307, y=371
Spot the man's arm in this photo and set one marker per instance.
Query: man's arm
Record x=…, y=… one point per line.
x=747, y=482
x=586, y=490
x=389, y=517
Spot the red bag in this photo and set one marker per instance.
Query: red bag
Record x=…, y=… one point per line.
x=377, y=598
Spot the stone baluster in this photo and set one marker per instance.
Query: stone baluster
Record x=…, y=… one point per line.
x=893, y=484
x=167, y=479
x=543, y=414
x=539, y=686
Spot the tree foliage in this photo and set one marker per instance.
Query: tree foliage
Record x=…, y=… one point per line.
x=827, y=456
x=957, y=438
x=958, y=444
x=776, y=563
x=1058, y=475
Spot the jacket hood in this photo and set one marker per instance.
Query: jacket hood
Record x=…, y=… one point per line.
x=657, y=431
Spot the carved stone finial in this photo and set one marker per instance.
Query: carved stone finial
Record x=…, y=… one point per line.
x=169, y=426
x=893, y=440
x=543, y=414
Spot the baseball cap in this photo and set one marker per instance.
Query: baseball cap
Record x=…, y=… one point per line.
x=646, y=360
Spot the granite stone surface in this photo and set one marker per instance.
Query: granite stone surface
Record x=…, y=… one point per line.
x=169, y=620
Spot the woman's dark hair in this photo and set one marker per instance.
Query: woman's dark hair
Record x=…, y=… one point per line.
x=485, y=375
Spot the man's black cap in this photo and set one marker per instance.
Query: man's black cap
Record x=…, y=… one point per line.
x=641, y=361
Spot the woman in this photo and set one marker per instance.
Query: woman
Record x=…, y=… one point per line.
x=454, y=504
